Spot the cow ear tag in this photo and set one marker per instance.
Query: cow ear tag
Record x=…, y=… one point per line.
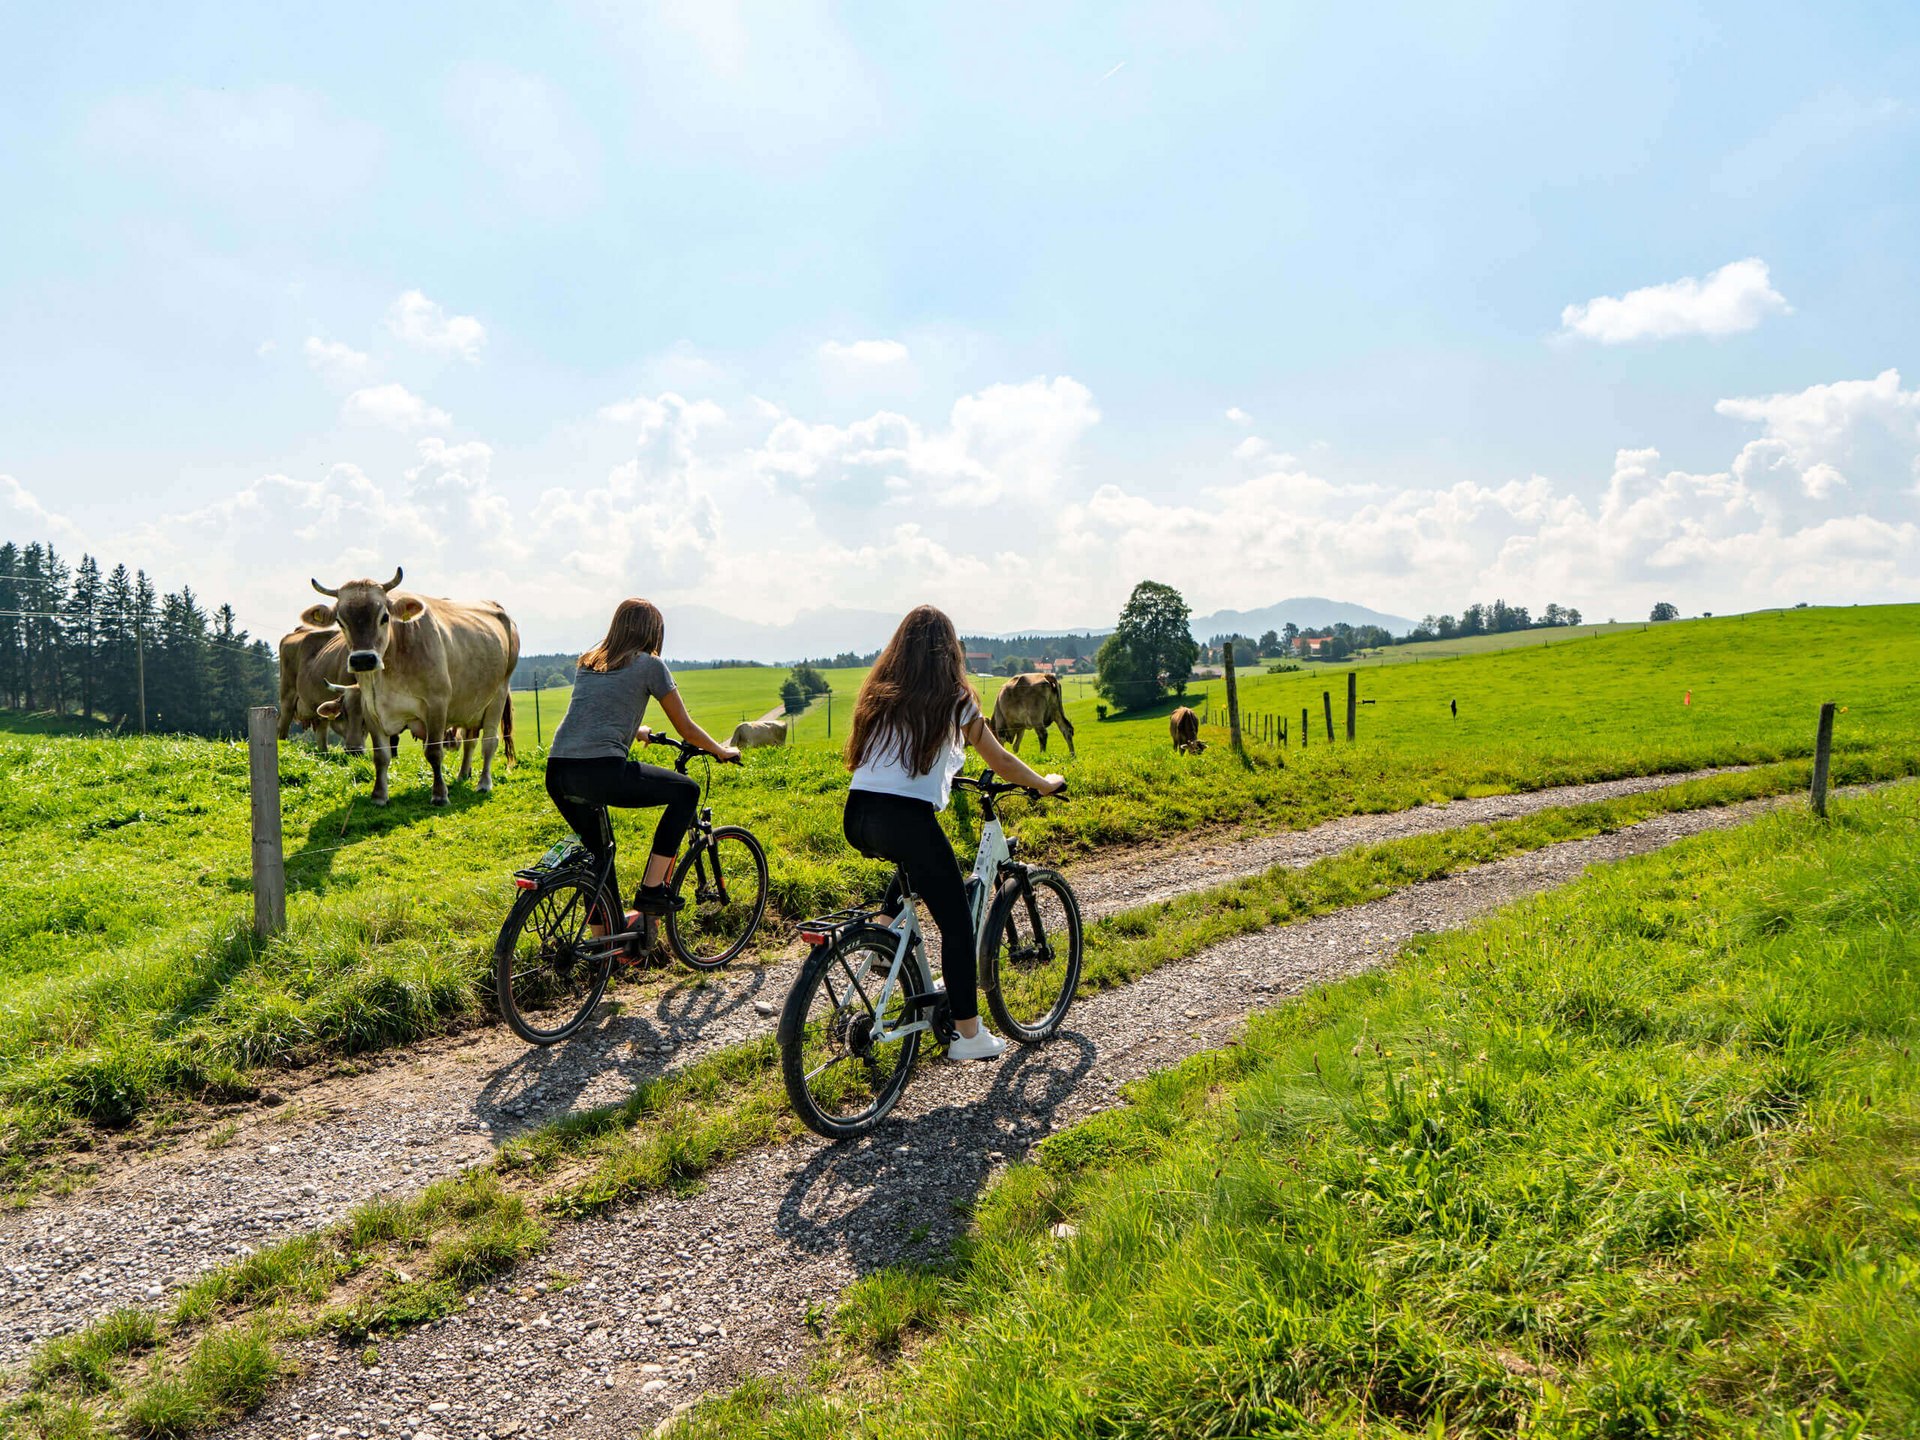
x=318, y=616
x=408, y=608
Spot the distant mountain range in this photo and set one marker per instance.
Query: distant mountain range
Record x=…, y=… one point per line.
x=1309, y=612
x=699, y=632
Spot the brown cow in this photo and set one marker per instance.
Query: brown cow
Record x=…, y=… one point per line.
x=424, y=664
x=1185, y=726
x=311, y=662
x=1030, y=702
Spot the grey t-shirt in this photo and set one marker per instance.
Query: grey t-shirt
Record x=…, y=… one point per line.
x=607, y=707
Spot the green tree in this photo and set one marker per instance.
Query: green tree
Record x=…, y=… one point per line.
x=1665, y=610
x=792, y=697
x=810, y=681
x=1151, y=650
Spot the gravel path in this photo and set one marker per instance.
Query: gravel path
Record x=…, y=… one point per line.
x=155, y=1220
x=683, y=1296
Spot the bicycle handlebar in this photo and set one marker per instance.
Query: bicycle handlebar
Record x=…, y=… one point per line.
x=990, y=785
x=687, y=750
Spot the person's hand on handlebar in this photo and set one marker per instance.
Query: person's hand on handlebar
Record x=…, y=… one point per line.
x=726, y=755
x=1052, y=784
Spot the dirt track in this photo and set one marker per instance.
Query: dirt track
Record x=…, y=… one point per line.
x=682, y=1296
x=153, y=1222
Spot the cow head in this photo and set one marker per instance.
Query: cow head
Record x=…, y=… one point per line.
x=366, y=613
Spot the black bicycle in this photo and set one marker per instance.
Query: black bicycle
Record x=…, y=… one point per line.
x=556, y=950
x=851, y=1030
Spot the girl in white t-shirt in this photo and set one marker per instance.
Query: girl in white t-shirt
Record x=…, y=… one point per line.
x=916, y=714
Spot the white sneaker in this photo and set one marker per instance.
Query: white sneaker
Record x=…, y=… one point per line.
x=983, y=1044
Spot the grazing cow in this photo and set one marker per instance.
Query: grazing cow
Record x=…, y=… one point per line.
x=749, y=734
x=300, y=650
x=423, y=664
x=1185, y=726
x=1030, y=702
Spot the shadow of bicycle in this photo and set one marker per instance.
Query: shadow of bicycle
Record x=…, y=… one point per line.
x=905, y=1191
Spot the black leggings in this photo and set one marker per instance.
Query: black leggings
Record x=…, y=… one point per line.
x=907, y=832
x=582, y=789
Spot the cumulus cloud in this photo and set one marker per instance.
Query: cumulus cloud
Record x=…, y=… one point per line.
x=762, y=512
x=1005, y=439
x=1734, y=298
x=421, y=323
x=865, y=354
x=393, y=406
x=1239, y=416
x=1827, y=437
x=338, y=364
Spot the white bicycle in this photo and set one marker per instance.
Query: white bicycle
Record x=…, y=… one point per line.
x=851, y=1030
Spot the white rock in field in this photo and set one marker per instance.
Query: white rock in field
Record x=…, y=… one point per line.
x=1065, y=1231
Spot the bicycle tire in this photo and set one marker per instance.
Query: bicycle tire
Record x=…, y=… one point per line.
x=699, y=920
x=546, y=992
x=1025, y=963
x=801, y=1062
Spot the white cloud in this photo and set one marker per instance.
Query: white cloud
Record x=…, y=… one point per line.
x=337, y=363
x=1239, y=416
x=1734, y=298
x=1005, y=439
x=393, y=406
x=870, y=354
x=421, y=323
x=1830, y=436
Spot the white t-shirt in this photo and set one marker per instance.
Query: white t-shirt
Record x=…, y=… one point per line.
x=885, y=770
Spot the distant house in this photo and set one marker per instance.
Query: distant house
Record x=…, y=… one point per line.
x=1308, y=646
x=979, y=661
x=1045, y=667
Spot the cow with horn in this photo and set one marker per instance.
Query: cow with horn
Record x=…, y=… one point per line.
x=423, y=664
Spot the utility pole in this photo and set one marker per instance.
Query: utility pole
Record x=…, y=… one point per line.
x=140, y=667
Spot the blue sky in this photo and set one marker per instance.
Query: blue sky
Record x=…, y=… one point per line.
x=1001, y=306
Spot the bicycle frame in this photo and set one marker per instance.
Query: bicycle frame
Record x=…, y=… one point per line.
x=994, y=852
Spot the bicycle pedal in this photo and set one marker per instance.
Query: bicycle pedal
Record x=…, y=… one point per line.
x=943, y=1026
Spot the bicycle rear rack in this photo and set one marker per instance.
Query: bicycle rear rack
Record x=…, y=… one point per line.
x=826, y=929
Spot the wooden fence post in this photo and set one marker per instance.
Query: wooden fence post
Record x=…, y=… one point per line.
x=1233, y=701
x=1353, y=690
x=1822, y=758
x=1305, y=728
x=1326, y=700
x=269, y=861
x=536, y=715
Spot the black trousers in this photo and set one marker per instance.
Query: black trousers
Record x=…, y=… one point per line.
x=582, y=789
x=907, y=832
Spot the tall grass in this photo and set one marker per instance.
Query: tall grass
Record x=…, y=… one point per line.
x=1640, y=1158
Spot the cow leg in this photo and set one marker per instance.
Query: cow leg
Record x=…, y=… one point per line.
x=1041, y=731
x=381, y=756
x=436, y=754
x=1066, y=729
x=320, y=732
x=466, y=761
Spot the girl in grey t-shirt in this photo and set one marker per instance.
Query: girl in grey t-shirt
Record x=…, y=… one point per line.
x=587, y=764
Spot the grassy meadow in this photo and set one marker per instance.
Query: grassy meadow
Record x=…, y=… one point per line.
x=129, y=981
x=1639, y=1158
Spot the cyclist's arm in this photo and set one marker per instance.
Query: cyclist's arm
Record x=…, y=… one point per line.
x=1003, y=762
x=690, y=732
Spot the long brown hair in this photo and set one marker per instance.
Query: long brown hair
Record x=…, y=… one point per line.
x=914, y=696
x=638, y=628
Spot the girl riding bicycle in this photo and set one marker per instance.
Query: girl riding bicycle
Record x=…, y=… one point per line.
x=916, y=714
x=587, y=764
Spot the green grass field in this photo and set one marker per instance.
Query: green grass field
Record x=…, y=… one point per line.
x=1637, y=1159
x=129, y=982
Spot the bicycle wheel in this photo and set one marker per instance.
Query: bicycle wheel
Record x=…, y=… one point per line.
x=723, y=888
x=546, y=975
x=1032, y=955
x=840, y=1080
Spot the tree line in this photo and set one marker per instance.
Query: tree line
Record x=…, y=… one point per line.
x=76, y=640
